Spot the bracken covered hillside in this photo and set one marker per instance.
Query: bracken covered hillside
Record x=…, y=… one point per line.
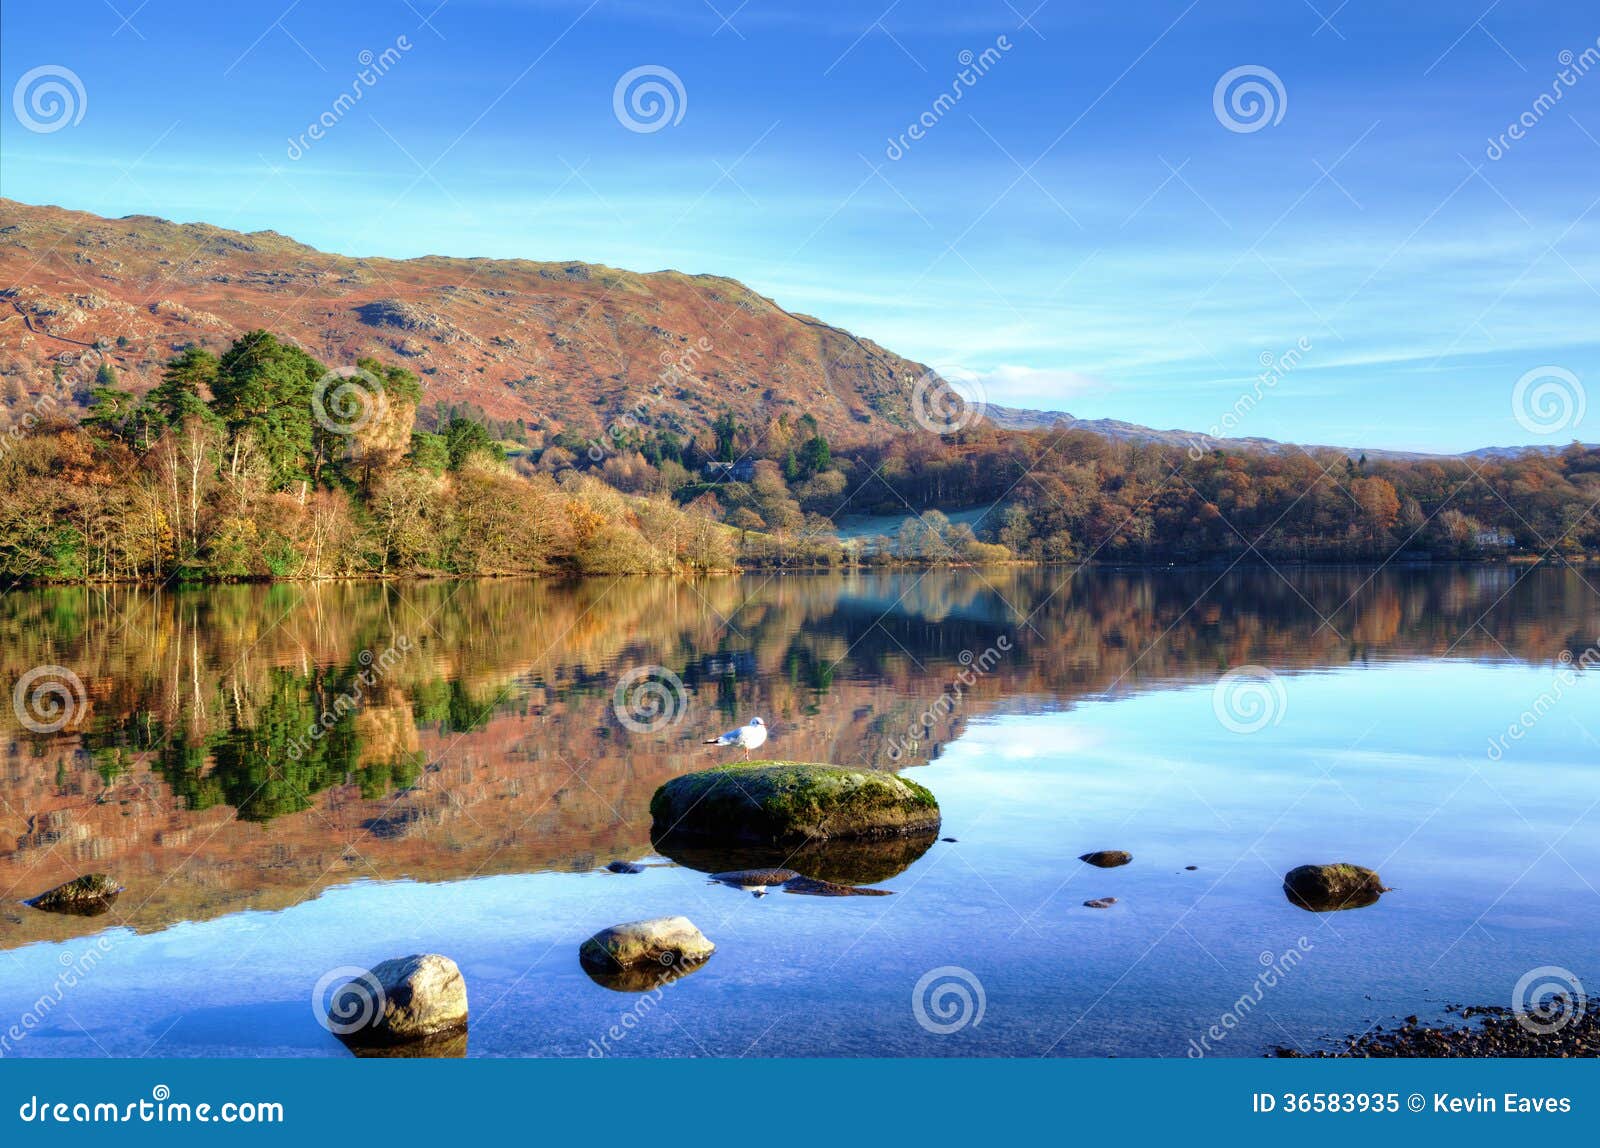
x=562, y=346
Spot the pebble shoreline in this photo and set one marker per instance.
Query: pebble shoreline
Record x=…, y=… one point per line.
x=1490, y=1031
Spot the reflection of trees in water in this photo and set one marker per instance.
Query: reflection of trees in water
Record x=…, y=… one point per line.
x=199, y=701
x=216, y=688
x=265, y=762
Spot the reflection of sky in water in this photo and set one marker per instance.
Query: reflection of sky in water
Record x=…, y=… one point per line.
x=1495, y=867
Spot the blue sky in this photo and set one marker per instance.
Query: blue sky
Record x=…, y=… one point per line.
x=1081, y=231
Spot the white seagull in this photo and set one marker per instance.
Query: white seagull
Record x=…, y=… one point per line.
x=746, y=737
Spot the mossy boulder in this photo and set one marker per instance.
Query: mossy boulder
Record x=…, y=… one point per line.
x=785, y=802
x=86, y=896
x=1327, y=888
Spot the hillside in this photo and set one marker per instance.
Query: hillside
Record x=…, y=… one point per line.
x=562, y=346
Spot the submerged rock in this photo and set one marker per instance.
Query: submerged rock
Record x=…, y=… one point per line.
x=762, y=881
x=773, y=802
x=1100, y=903
x=624, y=867
x=1107, y=858
x=812, y=887
x=86, y=896
x=855, y=862
x=756, y=881
x=417, y=998
x=656, y=945
x=1328, y=888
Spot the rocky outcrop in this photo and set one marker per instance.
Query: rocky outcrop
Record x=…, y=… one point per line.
x=773, y=802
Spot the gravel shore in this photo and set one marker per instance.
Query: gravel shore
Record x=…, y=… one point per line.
x=1487, y=1031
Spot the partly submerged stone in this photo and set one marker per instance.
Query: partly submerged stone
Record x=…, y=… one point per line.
x=86, y=896
x=624, y=867
x=417, y=998
x=762, y=881
x=757, y=881
x=659, y=945
x=1100, y=903
x=1327, y=888
x=773, y=802
x=812, y=887
x=1107, y=858
x=854, y=862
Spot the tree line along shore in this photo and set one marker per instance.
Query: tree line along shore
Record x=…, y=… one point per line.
x=264, y=463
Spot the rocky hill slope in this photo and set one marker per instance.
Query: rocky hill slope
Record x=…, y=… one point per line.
x=559, y=345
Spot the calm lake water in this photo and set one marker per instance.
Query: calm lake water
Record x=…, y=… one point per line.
x=476, y=773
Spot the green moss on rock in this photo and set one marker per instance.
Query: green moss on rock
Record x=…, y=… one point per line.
x=785, y=801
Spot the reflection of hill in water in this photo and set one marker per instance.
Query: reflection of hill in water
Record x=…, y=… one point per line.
x=471, y=730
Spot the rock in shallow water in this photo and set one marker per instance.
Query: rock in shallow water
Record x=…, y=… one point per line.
x=416, y=998
x=1107, y=858
x=855, y=862
x=86, y=896
x=771, y=802
x=1100, y=903
x=624, y=867
x=757, y=881
x=662, y=942
x=1328, y=888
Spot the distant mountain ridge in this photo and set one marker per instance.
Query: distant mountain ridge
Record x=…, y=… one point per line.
x=1020, y=418
x=560, y=345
